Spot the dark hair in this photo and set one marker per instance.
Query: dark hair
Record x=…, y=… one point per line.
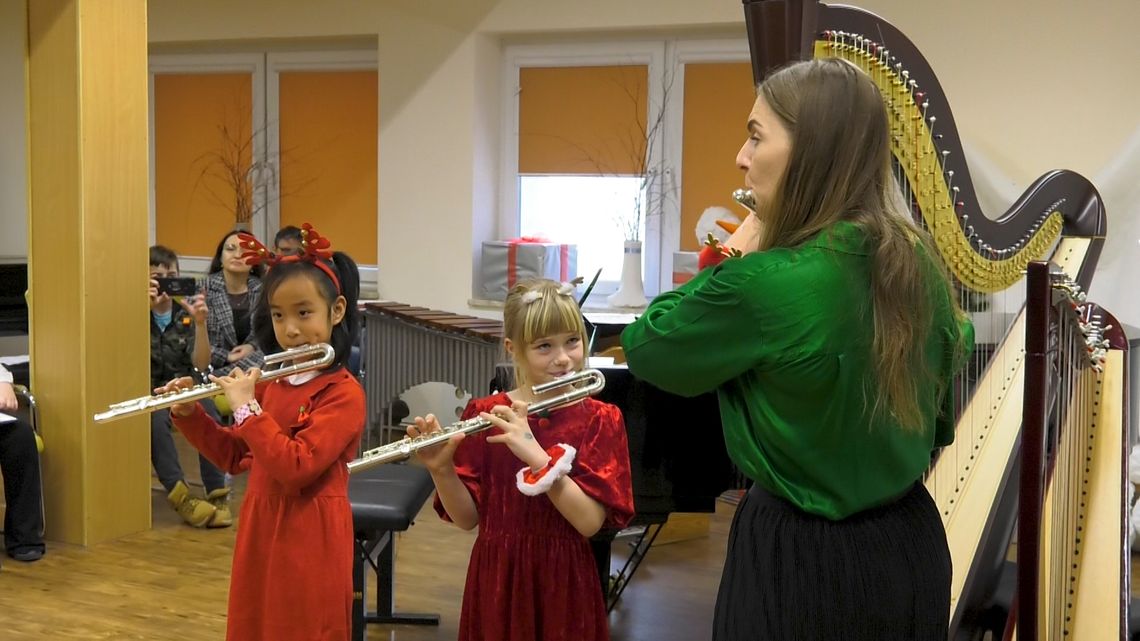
x=164, y=256
x=288, y=232
x=216, y=263
x=343, y=333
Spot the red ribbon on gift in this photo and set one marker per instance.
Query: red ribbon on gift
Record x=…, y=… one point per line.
x=512, y=258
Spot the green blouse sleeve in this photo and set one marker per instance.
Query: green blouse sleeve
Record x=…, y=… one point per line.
x=958, y=343
x=691, y=340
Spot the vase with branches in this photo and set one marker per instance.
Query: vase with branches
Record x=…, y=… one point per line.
x=642, y=146
x=239, y=178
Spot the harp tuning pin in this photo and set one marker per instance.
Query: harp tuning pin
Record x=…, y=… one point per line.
x=919, y=96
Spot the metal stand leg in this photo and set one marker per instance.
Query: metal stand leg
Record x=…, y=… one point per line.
x=378, y=550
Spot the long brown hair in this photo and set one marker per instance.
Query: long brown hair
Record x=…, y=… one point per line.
x=839, y=168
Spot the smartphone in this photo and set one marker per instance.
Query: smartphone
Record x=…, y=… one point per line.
x=177, y=286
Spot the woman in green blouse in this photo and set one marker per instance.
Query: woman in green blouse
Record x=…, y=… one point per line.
x=831, y=343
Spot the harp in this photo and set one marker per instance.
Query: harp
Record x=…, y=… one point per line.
x=1059, y=218
x=1072, y=552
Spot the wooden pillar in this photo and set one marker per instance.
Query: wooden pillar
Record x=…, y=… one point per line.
x=87, y=237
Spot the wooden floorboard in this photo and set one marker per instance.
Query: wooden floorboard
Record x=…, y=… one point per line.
x=171, y=582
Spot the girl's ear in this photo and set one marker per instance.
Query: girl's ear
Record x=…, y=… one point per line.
x=509, y=345
x=338, y=307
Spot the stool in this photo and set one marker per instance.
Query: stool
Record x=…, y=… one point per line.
x=384, y=500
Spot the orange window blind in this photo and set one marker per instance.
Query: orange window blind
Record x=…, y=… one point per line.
x=582, y=120
x=193, y=203
x=718, y=98
x=328, y=165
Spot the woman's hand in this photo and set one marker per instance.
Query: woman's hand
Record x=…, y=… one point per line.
x=238, y=385
x=746, y=238
x=516, y=434
x=239, y=352
x=197, y=309
x=179, y=409
x=437, y=458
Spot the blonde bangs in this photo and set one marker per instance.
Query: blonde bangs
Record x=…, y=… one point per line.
x=550, y=315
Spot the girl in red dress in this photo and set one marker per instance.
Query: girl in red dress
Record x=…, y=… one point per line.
x=538, y=488
x=292, y=567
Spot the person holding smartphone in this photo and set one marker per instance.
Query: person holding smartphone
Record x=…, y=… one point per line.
x=174, y=331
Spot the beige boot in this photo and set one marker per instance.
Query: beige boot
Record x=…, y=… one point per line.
x=194, y=511
x=220, y=499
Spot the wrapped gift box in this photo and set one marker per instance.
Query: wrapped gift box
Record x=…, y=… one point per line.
x=506, y=262
x=684, y=267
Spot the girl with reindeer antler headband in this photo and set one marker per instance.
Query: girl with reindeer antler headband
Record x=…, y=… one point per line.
x=292, y=567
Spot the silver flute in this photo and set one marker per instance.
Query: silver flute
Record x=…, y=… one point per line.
x=585, y=383
x=745, y=198
x=298, y=359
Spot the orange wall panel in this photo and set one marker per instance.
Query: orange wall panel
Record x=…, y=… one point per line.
x=582, y=120
x=193, y=204
x=718, y=98
x=328, y=168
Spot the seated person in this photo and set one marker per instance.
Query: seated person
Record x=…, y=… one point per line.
x=173, y=332
x=20, y=464
x=287, y=241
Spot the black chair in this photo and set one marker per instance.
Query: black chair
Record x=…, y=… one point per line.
x=385, y=500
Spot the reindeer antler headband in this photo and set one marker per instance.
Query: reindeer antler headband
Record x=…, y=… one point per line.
x=314, y=249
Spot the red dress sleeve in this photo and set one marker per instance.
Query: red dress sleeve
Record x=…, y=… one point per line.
x=469, y=457
x=218, y=444
x=601, y=467
x=336, y=421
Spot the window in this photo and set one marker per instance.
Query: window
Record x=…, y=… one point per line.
x=600, y=135
x=299, y=128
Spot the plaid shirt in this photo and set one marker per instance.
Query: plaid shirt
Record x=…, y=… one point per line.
x=171, y=348
x=220, y=325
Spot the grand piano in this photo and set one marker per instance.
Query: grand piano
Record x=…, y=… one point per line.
x=676, y=449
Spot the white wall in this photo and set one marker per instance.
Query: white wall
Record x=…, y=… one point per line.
x=1034, y=84
x=13, y=133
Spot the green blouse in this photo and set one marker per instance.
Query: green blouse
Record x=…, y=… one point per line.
x=784, y=337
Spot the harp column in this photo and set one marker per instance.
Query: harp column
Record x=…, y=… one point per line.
x=87, y=247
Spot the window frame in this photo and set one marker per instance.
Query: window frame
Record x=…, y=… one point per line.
x=264, y=67
x=177, y=63
x=581, y=54
x=666, y=59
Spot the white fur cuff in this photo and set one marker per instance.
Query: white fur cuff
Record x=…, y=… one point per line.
x=534, y=483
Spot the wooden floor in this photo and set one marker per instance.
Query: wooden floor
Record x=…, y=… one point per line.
x=171, y=583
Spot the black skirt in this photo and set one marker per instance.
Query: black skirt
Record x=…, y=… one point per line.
x=879, y=575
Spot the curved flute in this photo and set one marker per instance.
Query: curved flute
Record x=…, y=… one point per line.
x=405, y=447
x=310, y=357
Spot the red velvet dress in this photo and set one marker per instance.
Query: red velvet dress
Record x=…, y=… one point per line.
x=292, y=568
x=532, y=576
